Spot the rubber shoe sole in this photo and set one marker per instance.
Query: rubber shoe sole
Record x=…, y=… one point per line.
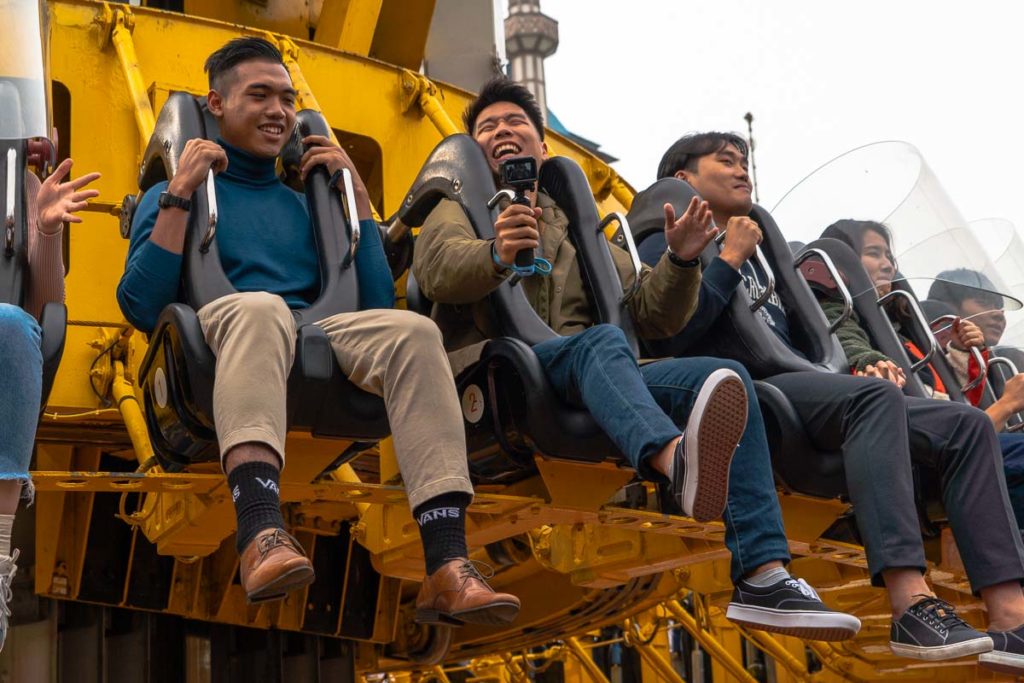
x=809, y=625
x=495, y=614
x=975, y=646
x=1003, y=662
x=713, y=431
x=292, y=580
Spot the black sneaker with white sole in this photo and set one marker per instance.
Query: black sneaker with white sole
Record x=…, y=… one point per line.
x=790, y=607
x=700, y=465
x=1007, y=655
x=931, y=630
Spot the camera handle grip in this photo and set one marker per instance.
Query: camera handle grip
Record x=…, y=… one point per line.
x=524, y=257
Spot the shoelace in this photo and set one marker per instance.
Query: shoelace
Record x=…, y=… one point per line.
x=803, y=587
x=468, y=570
x=938, y=612
x=271, y=541
x=6, y=593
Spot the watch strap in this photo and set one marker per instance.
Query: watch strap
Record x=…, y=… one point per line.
x=166, y=200
x=692, y=263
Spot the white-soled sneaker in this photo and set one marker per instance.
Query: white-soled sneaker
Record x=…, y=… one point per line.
x=1007, y=655
x=700, y=465
x=8, y=568
x=790, y=607
x=930, y=629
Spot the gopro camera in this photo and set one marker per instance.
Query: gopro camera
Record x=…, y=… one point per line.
x=520, y=174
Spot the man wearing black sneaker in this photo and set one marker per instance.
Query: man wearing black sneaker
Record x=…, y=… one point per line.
x=640, y=408
x=878, y=429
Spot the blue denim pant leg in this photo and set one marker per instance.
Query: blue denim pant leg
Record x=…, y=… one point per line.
x=753, y=521
x=596, y=369
x=1012, y=446
x=21, y=387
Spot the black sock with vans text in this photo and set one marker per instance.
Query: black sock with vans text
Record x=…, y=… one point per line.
x=256, y=492
x=442, y=522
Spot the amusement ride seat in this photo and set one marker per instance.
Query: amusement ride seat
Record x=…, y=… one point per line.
x=177, y=373
x=515, y=403
x=14, y=257
x=742, y=335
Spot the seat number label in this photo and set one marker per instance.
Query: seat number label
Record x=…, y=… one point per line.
x=473, y=404
x=160, y=388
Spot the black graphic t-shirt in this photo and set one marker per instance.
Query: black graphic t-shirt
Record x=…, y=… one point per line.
x=772, y=312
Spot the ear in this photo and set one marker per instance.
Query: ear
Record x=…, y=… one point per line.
x=544, y=150
x=683, y=175
x=215, y=103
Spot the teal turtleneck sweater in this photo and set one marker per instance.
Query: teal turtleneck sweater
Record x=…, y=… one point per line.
x=265, y=240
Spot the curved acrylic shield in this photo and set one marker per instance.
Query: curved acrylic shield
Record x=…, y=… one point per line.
x=23, y=71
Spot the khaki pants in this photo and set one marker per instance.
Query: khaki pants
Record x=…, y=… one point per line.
x=397, y=355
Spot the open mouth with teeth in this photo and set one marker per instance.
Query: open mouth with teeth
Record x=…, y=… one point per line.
x=506, y=149
x=272, y=128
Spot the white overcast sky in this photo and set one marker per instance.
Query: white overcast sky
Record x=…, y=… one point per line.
x=820, y=78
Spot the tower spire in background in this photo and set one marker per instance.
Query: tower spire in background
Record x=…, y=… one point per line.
x=530, y=37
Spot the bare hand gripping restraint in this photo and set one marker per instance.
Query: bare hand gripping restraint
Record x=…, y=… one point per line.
x=178, y=370
x=521, y=411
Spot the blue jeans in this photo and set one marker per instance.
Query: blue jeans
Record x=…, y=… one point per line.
x=21, y=388
x=643, y=408
x=1012, y=446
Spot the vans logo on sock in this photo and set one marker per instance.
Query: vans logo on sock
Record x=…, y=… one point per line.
x=269, y=484
x=235, y=493
x=438, y=513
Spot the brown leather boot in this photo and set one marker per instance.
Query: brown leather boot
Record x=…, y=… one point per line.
x=456, y=594
x=272, y=565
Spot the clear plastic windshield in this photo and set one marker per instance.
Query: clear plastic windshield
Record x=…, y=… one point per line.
x=23, y=71
x=939, y=256
x=1005, y=247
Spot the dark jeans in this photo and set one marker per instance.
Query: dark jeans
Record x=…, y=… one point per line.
x=642, y=408
x=1013, y=466
x=879, y=431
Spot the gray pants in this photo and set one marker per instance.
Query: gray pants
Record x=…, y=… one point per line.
x=880, y=431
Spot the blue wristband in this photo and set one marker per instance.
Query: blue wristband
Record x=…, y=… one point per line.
x=540, y=265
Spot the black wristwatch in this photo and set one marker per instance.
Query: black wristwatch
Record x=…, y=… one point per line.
x=173, y=201
x=692, y=263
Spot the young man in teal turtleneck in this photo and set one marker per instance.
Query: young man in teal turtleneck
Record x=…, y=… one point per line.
x=266, y=244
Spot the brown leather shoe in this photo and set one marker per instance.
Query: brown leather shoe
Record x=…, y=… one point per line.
x=456, y=594
x=272, y=565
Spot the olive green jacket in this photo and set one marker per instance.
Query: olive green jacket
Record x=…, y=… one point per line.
x=455, y=270
x=854, y=340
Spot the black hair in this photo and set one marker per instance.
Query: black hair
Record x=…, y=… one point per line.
x=236, y=51
x=685, y=152
x=502, y=89
x=953, y=286
x=852, y=232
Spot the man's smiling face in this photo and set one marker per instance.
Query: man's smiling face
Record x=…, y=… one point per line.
x=503, y=130
x=256, y=109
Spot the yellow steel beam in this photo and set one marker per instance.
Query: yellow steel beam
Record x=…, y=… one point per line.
x=585, y=660
x=401, y=34
x=774, y=649
x=122, y=23
x=708, y=642
x=651, y=655
x=348, y=25
x=419, y=90
x=131, y=413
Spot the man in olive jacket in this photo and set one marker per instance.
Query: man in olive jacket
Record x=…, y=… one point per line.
x=641, y=408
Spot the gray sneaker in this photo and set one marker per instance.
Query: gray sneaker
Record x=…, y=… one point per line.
x=8, y=569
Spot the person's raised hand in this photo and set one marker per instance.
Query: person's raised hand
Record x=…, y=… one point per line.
x=967, y=335
x=197, y=159
x=690, y=233
x=516, y=229
x=742, y=235
x=58, y=201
